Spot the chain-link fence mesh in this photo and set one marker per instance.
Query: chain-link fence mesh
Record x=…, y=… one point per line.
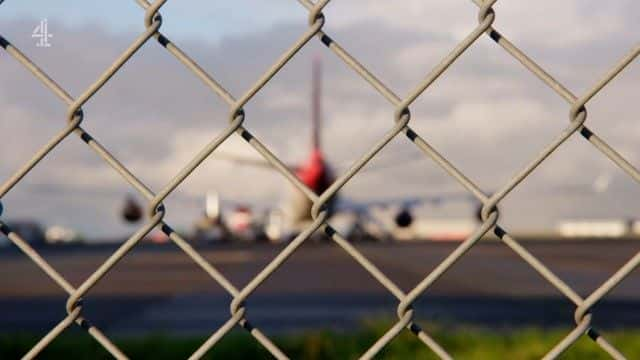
x=239, y=314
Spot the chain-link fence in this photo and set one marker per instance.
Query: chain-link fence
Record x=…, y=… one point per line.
x=239, y=314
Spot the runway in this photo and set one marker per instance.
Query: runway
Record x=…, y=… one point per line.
x=159, y=289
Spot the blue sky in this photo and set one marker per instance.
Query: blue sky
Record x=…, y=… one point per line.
x=222, y=18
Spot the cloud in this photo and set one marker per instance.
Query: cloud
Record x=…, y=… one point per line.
x=487, y=114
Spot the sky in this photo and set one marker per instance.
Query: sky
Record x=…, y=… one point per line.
x=487, y=114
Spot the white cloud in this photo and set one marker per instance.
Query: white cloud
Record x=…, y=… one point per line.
x=487, y=114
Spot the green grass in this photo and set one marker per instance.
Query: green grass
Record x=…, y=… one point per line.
x=461, y=342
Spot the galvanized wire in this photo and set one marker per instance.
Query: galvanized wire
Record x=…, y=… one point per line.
x=401, y=124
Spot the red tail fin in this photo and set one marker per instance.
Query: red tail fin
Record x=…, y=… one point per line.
x=315, y=116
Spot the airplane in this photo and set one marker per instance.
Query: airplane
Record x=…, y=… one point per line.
x=317, y=174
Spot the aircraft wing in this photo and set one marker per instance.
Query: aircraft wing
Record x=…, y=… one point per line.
x=385, y=162
x=247, y=160
x=404, y=202
x=62, y=190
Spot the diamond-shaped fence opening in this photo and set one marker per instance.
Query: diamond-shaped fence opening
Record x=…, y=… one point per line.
x=399, y=127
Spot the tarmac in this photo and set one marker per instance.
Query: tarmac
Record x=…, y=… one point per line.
x=158, y=289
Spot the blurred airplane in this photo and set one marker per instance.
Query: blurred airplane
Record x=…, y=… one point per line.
x=317, y=174
x=354, y=218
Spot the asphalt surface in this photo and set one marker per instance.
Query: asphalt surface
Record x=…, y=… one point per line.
x=159, y=289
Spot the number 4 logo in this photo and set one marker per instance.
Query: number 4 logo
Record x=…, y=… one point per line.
x=41, y=32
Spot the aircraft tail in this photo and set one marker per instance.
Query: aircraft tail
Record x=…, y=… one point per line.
x=316, y=115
